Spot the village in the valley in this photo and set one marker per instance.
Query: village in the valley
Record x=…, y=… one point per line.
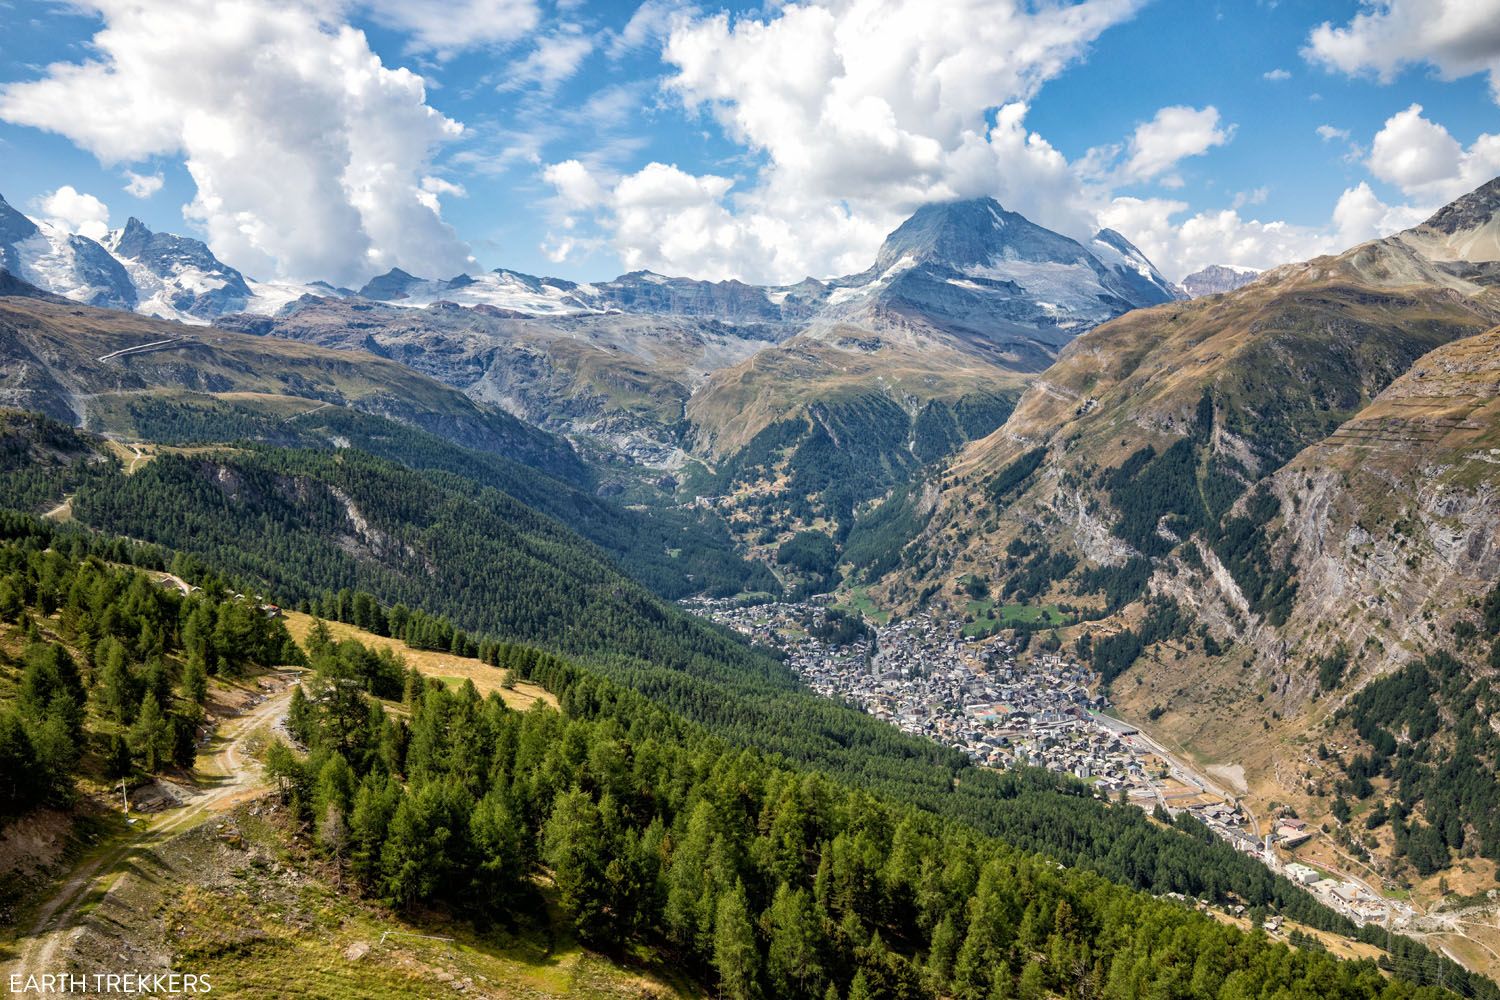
x=1006, y=707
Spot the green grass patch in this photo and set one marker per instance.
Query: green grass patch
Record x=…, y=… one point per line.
x=990, y=618
x=857, y=599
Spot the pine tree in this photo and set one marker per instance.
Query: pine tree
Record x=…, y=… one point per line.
x=335, y=786
x=573, y=847
x=300, y=718
x=943, y=951
x=792, y=956
x=184, y=730
x=117, y=762
x=194, y=682
x=115, y=688
x=18, y=770
x=735, y=954
x=1033, y=982
x=151, y=736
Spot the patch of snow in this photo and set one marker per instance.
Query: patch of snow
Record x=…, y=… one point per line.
x=1066, y=288
x=503, y=291
x=270, y=297
x=160, y=306
x=48, y=260
x=841, y=295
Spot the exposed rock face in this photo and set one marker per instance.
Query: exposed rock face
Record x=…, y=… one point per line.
x=1466, y=231
x=620, y=378
x=1278, y=388
x=174, y=275
x=1216, y=278
x=1474, y=211
x=14, y=228
x=1394, y=519
x=730, y=301
x=72, y=266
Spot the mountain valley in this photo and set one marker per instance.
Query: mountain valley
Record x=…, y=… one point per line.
x=1256, y=504
x=955, y=511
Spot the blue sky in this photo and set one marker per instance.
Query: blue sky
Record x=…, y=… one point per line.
x=582, y=139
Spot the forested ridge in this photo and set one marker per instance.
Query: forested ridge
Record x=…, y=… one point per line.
x=112, y=667
x=673, y=552
x=841, y=453
x=1428, y=730
x=477, y=563
x=41, y=461
x=757, y=879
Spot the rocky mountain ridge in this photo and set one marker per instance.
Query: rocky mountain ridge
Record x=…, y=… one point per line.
x=1216, y=278
x=156, y=274
x=176, y=277
x=1259, y=500
x=655, y=368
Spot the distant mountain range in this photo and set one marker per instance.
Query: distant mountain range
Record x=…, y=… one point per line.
x=971, y=262
x=891, y=368
x=925, y=349
x=1216, y=278
x=155, y=274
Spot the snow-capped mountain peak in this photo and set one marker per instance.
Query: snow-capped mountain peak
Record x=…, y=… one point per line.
x=969, y=267
x=158, y=274
x=177, y=277
x=64, y=263
x=977, y=269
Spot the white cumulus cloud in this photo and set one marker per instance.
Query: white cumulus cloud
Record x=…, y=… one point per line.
x=1457, y=37
x=855, y=112
x=1426, y=162
x=307, y=152
x=1180, y=243
x=1360, y=215
x=75, y=212
x=1173, y=135
x=142, y=185
x=575, y=184
x=449, y=26
x=1180, y=246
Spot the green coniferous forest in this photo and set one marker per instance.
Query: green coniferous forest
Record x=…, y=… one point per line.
x=690, y=797
x=757, y=878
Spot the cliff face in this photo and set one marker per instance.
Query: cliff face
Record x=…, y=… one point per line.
x=1302, y=465
x=1216, y=278
x=1393, y=521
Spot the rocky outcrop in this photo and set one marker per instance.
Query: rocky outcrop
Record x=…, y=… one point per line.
x=177, y=276
x=1394, y=519
x=1217, y=278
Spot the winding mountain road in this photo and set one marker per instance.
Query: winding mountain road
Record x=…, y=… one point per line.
x=220, y=782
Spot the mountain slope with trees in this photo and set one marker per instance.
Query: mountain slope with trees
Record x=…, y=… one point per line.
x=1235, y=489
